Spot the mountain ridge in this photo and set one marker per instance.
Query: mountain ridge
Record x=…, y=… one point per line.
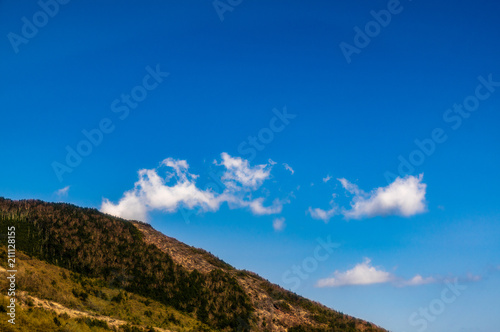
x=189, y=280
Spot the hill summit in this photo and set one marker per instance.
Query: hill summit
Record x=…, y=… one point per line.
x=81, y=270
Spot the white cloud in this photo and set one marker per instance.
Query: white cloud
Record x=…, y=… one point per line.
x=161, y=196
x=258, y=208
x=327, y=178
x=404, y=197
x=152, y=192
x=325, y=215
x=131, y=206
x=255, y=205
x=279, y=224
x=63, y=192
x=366, y=274
x=351, y=187
x=178, y=189
x=238, y=172
x=416, y=281
x=361, y=274
x=288, y=168
x=180, y=167
x=320, y=214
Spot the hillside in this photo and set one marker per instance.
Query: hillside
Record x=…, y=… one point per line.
x=81, y=270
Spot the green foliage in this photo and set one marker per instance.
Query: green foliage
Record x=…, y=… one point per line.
x=171, y=318
x=38, y=320
x=130, y=328
x=118, y=298
x=215, y=261
x=93, y=262
x=56, y=321
x=90, y=322
x=95, y=245
x=80, y=294
x=283, y=306
x=329, y=319
x=32, y=274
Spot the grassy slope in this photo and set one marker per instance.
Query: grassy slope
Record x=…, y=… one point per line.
x=112, y=250
x=87, y=295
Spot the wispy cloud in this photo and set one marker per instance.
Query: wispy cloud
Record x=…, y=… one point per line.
x=178, y=188
x=63, y=192
x=321, y=214
x=239, y=173
x=325, y=215
x=416, y=281
x=288, y=168
x=279, y=224
x=255, y=205
x=327, y=178
x=352, y=188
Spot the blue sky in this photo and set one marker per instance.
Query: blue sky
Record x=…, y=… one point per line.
x=209, y=102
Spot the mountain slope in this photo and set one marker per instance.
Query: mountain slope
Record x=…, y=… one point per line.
x=126, y=259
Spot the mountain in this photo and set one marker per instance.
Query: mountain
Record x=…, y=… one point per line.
x=81, y=270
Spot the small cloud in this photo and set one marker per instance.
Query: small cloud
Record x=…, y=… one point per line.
x=366, y=274
x=417, y=280
x=320, y=214
x=362, y=274
x=404, y=197
x=325, y=215
x=351, y=187
x=327, y=178
x=258, y=208
x=63, y=192
x=288, y=168
x=279, y=224
x=471, y=277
